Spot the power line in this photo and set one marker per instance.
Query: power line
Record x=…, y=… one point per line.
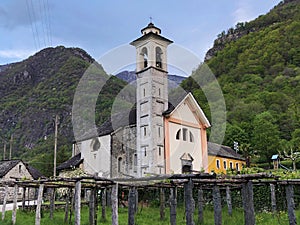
x=31, y=24
x=34, y=22
x=48, y=17
x=43, y=22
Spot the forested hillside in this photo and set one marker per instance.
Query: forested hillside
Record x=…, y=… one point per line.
x=258, y=68
x=34, y=91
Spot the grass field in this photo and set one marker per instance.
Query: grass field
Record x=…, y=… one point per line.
x=150, y=216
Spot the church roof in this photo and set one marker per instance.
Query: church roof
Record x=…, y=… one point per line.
x=197, y=110
x=222, y=151
x=149, y=36
x=75, y=161
x=118, y=120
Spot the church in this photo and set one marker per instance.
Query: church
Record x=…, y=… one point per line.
x=154, y=137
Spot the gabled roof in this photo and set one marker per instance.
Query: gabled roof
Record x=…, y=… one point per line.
x=113, y=123
x=222, y=151
x=71, y=163
x=118, y=120
x=187, y=157
x=149, y=36
x=192, y=101
x=7, y=165
x=34, y=172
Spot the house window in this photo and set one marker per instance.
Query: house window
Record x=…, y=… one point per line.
x=225, y=164
x=178, y=134
x=119, y=164
x=159, y=151
x=184, y=134
x=218, y=164
x=144, y=92
x=145, y=131
x=159, y=132
x=191, y=137
x=231, y=165
x=145, y=151
x=237, y=166
x=20, y=168
x=159, y=92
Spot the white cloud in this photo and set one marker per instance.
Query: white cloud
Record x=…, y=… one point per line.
x=19, y=54
x=243, y=13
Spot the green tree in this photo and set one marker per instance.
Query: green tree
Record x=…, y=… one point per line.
x=265, y=136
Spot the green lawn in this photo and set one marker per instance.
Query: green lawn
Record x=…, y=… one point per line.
x=150, y=216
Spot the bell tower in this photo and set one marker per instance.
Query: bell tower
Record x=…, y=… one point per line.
x=152, y=100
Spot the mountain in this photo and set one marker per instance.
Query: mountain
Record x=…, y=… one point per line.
x=257, y=65
x=130, y=76
x=34, y=91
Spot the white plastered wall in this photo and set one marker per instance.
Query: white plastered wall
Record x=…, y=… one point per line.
x=97, y=162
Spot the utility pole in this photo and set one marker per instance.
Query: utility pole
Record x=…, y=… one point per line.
x=10, y=145
x=4, y=151
x=55, y=145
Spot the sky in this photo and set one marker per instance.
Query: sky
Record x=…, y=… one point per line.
x=27, y=26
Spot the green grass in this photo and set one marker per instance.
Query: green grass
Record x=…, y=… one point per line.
x=150, y=216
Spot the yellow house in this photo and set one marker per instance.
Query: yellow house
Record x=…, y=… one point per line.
x=222, y=158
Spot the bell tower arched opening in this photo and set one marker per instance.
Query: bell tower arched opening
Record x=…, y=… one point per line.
x=145, y=56
x=158, y=57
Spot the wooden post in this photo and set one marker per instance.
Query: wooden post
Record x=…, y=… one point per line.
x=11, y=146
x=4, y=151
x=4, y=202
x=28, y=197
x=189, y=202
x=108, y=197
x=72, y=197
x=114, y=205
x=103, y=205
x=200, y=205
x=173, y=204
x=77, y=199
x=52, y=202
x=162, y=203
x=131, y=206
x=289, y=190
x=273, y=198
x=14, y=212
x=23, y=198
x=92, y=210
x=136, y=200
x=67, y=206
x=217, y=205
x=55, y=145
x=247, y=196
x=228, y=200
x=39, y=205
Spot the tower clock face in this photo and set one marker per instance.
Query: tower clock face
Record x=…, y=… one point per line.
x=95, y=144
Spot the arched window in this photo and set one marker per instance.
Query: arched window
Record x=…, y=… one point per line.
x=119, y=164
x=95, y=144
x=191, y=137
x=145, y=56
x=184, y=134
x=178, y=134
x=158, y=53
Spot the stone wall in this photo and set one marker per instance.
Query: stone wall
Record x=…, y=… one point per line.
x=19, y=172
x=123, y=152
